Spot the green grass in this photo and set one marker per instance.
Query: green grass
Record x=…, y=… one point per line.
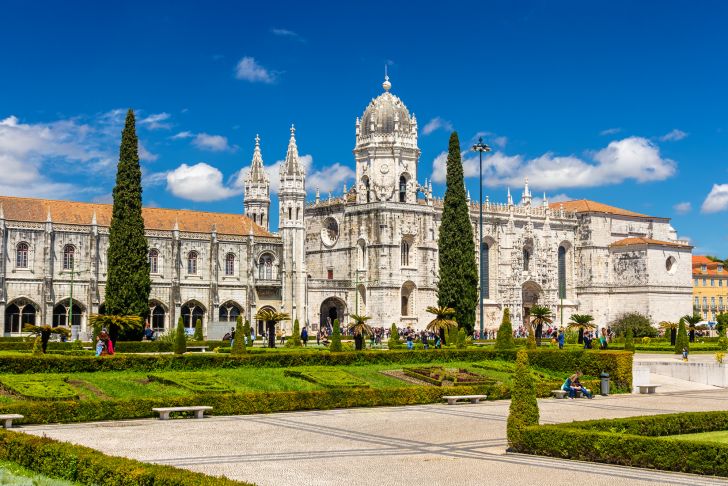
x=327, y=376
x=38, y=388
x=11, y=473
x=718, y=436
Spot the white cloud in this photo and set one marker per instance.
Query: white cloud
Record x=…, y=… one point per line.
x=498, y=140
x=200, y=182
x=436, y=123
x=248, y=69
x=673, y=136
x=683, y=207
x=287, y=33
x=182, y=135
x=156, y=121
x=610, y=131
x=716, y=200
x=215, y=143
x=145, y=154
x=560, y=198
x=632, y=158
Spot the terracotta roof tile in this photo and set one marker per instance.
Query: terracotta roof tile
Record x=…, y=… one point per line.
x=587, y=206
x=711, y=267
x=647, y=241
x=73, y=212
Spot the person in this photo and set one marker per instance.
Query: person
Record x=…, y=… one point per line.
x=573, y=385
x=148, y=332
x=423, y=337
x=281, y=335
x=231, y=336
x=603, y=339
x=438, y=343
x=100, y=346
x=410, y=344
x=304, y=335
x=587, y=340
x=685, y=354
x=561, y=338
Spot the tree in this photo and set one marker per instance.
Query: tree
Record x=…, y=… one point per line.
x=43, y=334
x=523, y=411
x=335, y=346
x=582, y=322
x=504, y=338
x=672, y=327
x=295, y=341
x=458, y=285
x=530, y=338
x=271, y=318
x=462, y=339
x=247, y=332
x=682, y=338
x=394, y=342
x=722, y=326
x=198, y=331
x=641, y=325
x=180, y=338
x=239, y=341
x=692, y=321
x=127, y=282
x=443, y=322
x=540, y=315
x=359, y=328
x=116, y=325
x=629, y=340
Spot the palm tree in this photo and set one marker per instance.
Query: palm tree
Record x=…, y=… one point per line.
x=443, y=321
x=582, y=322
x=692, y=321
x=44, y=333
x=672, y=327
x=271, y=318
x=115, y=324
x=540, y=315
x=359, y=328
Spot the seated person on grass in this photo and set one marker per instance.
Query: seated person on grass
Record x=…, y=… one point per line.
x=572, y=385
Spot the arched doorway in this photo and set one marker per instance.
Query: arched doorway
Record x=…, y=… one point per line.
x=157, y=315
x=331, y=309
x=191, y=312
x=18, y=314
x=60, y=313
x=260, y=325
x=531, y=292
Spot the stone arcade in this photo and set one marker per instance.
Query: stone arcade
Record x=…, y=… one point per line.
x=372, y=250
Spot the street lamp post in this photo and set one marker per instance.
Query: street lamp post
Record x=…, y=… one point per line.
x=480, y=147
x=69, y=321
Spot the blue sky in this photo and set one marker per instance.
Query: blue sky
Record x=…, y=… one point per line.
x=621, y=102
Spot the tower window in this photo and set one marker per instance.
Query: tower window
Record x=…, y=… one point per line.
x=192, y=263
x=526, y=259
x=290, y=214
x=229, y=264
x=69, y=253
x=21, y=255
x=402, y=189
x=562, y=272
x=330, y=274
x=405, y=250
x=265, y=267
x=153, y=261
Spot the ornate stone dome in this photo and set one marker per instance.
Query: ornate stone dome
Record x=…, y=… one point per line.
x=385, y=114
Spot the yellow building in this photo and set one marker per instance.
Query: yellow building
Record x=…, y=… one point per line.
x=710, y=287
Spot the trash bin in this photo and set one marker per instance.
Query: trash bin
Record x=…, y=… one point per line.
x=605, y=383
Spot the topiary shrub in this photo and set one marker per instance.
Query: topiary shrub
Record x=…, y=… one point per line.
x=248, y=333
x=180, y=338
x=629, y=340
x=523, y=411
x=198, y=331
x=504, y=338
x=682, y=338
x=295, y=340
x=531, y=338
x=462, y=339
x=239, y=341
x=394, y=342
x=640, y=324
x=335, y=346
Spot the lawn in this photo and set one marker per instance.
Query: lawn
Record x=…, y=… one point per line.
x=11, y=473
x=717, y=436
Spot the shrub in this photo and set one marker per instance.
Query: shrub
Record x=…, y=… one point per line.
x=682, y=340
x=394, y=342
x=180, y=338
x=462, y=339
x=723, y=343
x=719, y=357
x=247, y=332
x=38, y=387
x=198, y=331
x=628, y=340
x=504, y=338
x=295, y=340
x=335, y=345
x=239, y=341
x=531, y=338
x=640, y=324
x=523, y=410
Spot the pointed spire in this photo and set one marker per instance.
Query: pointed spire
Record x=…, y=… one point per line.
x=345, y=189
x=510, y=198
x=526, y=196
x=257, y=172
x=386, y=84
x=545, y=201
x=292, y=166
x=318, y=195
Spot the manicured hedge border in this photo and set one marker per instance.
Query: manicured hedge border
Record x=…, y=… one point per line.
x=617, y=363
x=121, y=346
x=88, y=466
x=635, y=441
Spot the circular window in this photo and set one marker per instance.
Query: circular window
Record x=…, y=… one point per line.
x=330, y=231
x=671, y=265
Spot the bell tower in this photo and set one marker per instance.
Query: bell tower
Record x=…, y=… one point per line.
x=256, y=189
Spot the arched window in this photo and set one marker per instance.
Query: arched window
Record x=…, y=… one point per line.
x=526, y=259
x=407, y=296
x=192, y=263
x=290, y=214
x=265, y=267
x=562, y=272
x=191, y=313
x=18, y=315
x=69, y=253
x=21, y=255
x=484, y=271
x=366, y=188
x=404, y=253
x=361, y=251
x=229, y=264
x=156, y=317
x=402, y=189
x=60, y=314
x=229, y=312
x=153, y=261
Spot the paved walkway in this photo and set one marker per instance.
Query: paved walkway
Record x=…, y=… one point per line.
x=422, y=445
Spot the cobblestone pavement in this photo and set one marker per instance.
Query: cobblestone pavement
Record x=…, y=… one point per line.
x=423, y=445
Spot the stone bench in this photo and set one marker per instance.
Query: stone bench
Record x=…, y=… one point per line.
x=473, y=398
x=197, y=349
x=559, y=393
x=7, y=419
x=647, y=389
x=165, y=411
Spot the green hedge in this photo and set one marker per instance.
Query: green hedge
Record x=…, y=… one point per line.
x=591, y=362
x=88, y=466
x=636, y=441
x=121, y=346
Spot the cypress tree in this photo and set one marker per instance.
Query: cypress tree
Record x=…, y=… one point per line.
x=180, y=339
x=393, y=342
x=682, y=338
x=504, y=339
x=524, y=407
x=198, y=331
x=531, y=338
x=295, y=341
x=629, y=340
x=248, y=333
x=462, y=339
x=239, y=341
x=336, y=338
x=128, y=283
x=458, y=287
